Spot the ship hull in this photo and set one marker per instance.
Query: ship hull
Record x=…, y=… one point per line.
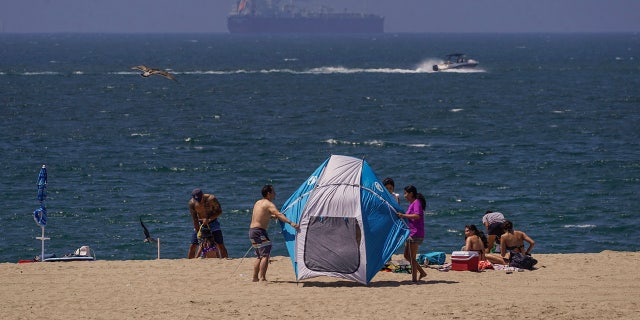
x=319, y=24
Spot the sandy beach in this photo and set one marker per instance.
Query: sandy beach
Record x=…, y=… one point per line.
x=602, y=285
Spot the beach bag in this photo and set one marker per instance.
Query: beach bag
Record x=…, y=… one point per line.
x=522, y=261
x=432, y=258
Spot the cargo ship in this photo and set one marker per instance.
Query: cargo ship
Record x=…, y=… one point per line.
x=261, y=16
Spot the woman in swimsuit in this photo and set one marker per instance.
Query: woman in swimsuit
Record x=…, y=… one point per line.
x=474, y=242
x=513, y=240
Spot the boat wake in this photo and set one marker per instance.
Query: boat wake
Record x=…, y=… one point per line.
x=476, y=70
x=422, y=68
x=426, y=66
x=375, y=143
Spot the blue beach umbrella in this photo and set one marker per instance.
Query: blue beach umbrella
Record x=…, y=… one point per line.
x=40, y=214
x=42, y=183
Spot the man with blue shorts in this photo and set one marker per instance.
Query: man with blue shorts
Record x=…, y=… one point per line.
x=205, y=210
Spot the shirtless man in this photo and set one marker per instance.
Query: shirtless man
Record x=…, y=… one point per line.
x=263, y=211
x=205, y=210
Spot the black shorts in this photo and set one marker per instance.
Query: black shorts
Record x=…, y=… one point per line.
x=495, y=229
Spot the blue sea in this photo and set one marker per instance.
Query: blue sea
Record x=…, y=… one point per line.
x=545, y=130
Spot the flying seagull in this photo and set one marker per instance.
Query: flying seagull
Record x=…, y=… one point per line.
x=146, y=72
x=147, y=237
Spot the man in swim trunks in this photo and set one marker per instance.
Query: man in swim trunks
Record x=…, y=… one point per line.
x=263, y=211
x=493, y=222
x=205, y=210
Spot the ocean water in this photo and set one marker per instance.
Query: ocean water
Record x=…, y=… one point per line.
x=545, y=130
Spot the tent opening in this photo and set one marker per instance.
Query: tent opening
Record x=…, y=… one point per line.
x=332, y=244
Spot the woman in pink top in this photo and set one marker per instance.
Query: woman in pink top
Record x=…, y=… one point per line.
x=415, y=216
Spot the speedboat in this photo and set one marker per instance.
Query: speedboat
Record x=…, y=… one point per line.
x=455, y=61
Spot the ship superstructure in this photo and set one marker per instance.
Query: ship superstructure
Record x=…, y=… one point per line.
x=276, y=16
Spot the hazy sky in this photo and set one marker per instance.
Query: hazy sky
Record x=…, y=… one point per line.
x=179, y=16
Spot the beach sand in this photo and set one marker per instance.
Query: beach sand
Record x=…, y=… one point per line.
x=602, y=285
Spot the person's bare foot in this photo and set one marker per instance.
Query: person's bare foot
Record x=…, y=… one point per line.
x=422, y=276
x=255, y=279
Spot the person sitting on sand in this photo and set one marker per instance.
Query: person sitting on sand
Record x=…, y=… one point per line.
x=513, y=240
x=476, y=241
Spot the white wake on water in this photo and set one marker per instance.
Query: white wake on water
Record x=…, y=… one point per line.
x=375, y=143
x=425, y=66
x=579, y=226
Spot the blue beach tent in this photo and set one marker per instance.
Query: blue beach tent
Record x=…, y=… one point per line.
x=348, y=223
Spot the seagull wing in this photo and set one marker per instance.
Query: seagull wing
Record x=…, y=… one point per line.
x=164, y=74
x=142, y=68
x=146, y=232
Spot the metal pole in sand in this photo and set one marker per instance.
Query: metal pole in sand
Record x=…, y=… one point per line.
x=158, y=248
x=42, y=251
x=42, y=238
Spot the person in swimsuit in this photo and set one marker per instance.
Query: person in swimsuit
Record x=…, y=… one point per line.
x=263, y=211
x=472, y=240
x=476, y=241
x=415, y=216
x=493, y=222
x=513, y=241
x=205, y=210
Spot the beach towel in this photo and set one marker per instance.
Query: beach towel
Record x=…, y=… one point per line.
x=483, y=264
